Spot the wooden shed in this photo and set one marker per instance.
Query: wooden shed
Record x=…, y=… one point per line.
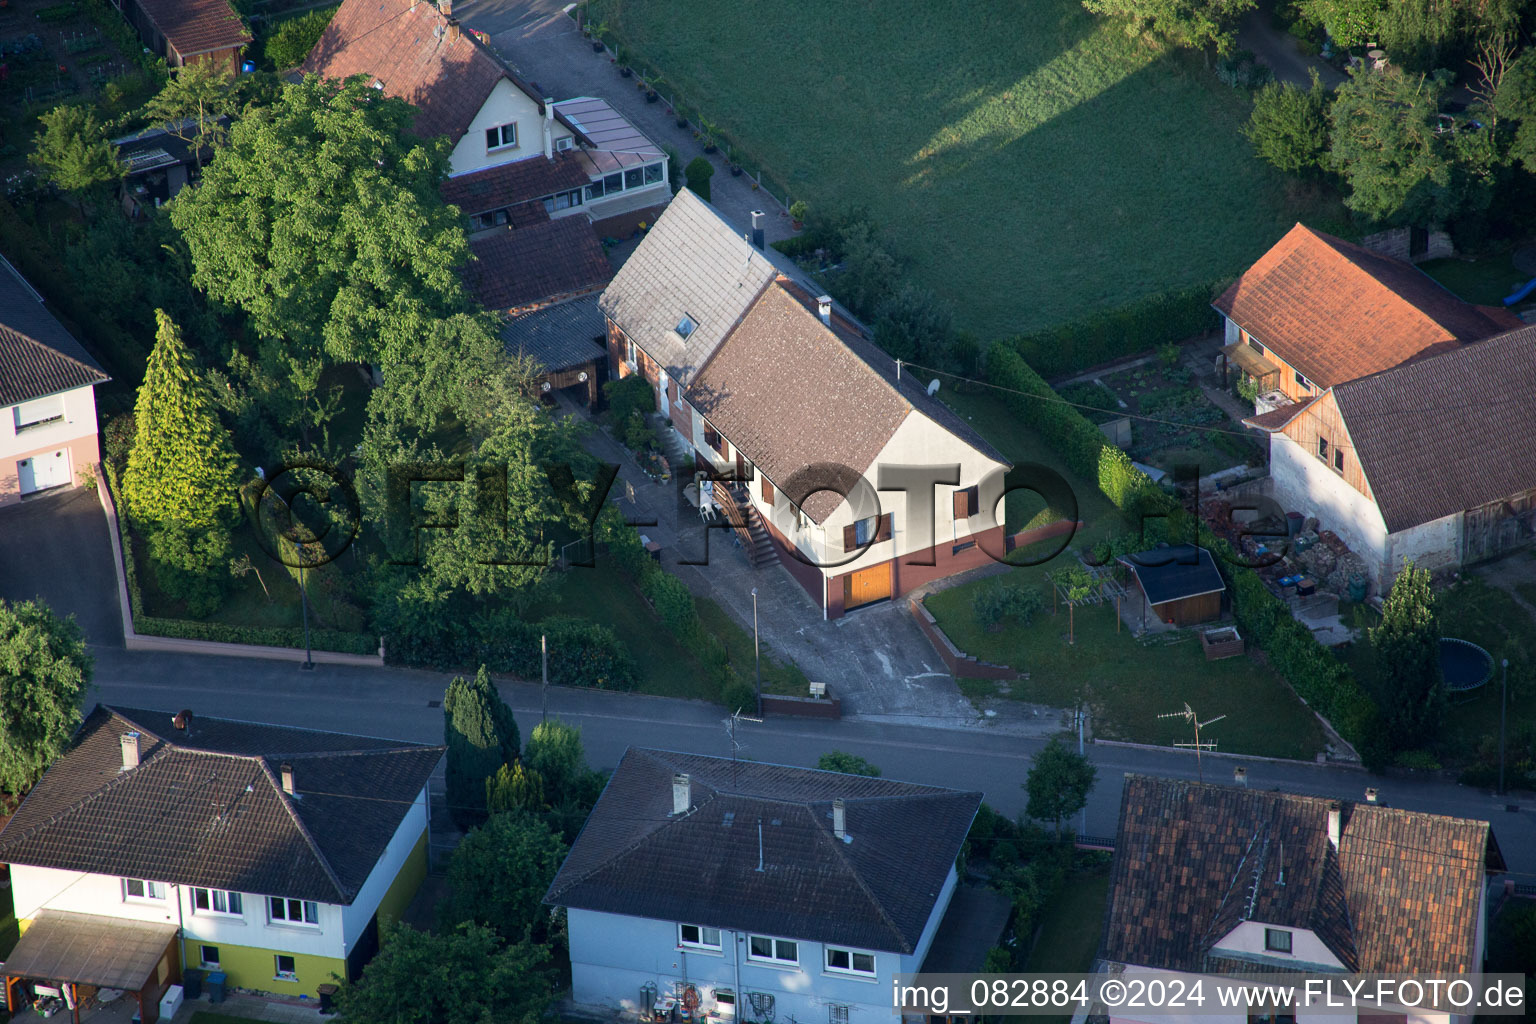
x=1180, y=584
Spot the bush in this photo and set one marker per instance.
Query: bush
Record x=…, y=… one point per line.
x=1241, y=71
x=581, y=653
x=674, y=605
x=798, y=210
x=698, y=172
x=292, y=40
x=1101, y=337
x=739, y=695
x=992, y=605
x=1289, y=126
x=630, y=396
x=189, y=565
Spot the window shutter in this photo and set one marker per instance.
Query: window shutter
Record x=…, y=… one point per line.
x=887, y=524
x=962, y=505
x=767, y=492
x=850, y=537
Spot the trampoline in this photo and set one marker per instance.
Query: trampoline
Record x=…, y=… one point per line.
x=1464, y=665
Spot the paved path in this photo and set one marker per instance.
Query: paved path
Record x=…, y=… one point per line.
x=1278, y=51
x=542, y=42
x=55, y=547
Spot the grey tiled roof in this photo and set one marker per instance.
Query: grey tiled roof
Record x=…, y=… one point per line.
x=1401, y=893
x=206, y=808
x=690, y=262
x=559, y=336
x=1171, y=574
x=877, y=892
x=1447, y=433
x=38, y=357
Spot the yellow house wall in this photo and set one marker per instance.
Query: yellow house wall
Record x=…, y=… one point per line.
x=403, y=889
x=248, y=967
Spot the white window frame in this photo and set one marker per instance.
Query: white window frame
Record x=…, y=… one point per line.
x=39, y=412
x=278, y=974
x=1290, y=941
x=702, y=942
x=852, y=955
x=501, y=133
x=1303, y=382
x=202, y=958
x=148, y=896
x=213, y=896
x=774, y=956
x=287, y=905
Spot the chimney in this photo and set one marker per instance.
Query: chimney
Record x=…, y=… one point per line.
x=183, y=721
x=682, y=794
x=1370, y=794
x=446, y=6
x=453, y=27
x=840, y=819
x=824, y=309
x=1240, y=776
x=285, y=772
x=757, y=228
x=1334, y=824
x=130, y=750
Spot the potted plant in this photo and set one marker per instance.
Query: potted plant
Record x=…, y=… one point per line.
x=682, y=118
x=797, y=212
x=620, y=57
x=710, y=131
x=651, y=95
x=596, y=32
x=731, y=161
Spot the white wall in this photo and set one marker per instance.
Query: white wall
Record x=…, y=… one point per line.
x=79, y=421
x=34, y=889
x=1302, y=483
x=1247, y=939
x=1433, y=545
x=505, y=104
x=356, y=916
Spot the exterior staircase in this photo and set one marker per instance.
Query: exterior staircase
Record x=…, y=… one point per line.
x=737, y=508
x=673, y=446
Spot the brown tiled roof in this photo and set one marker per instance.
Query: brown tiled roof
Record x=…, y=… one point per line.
x=1401, y=892
x=876, y=891
x=1447, y=434
x=517, y=182
x=207, y=808
x=197, y=26
x=411, y=48
x=514, y=267
x=1276, y=419
x=1336, y=311
x=38, y=357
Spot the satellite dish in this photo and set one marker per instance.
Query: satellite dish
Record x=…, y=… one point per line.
x=582, y=376
x=544, y=386
x=933, y=386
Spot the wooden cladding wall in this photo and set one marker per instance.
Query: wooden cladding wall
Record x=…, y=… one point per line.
x=1322, y=420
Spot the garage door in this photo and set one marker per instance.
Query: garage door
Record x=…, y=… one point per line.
x=867, y=586
x=41, y=472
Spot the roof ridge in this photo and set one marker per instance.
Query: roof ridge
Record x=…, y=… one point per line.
x=826, y=836
x=639, y=841
x=118, y=711
x=99, y=792
x=287, y=803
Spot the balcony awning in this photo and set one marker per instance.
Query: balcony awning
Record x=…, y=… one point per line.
x=88, y=949
x=1247, y=359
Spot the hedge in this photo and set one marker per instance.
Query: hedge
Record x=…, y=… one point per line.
x=223, y=632
x=1319, y=678
x=1111, y=334
x=581, y=653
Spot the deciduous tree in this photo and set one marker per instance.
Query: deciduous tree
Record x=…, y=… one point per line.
x=481, y=736
x=1193, y=23
x=1515, y=101
x=1407, y=650
x=1058, y=783
x=182, y=469
x=1349, y=22
x=1289, y=126
x=1387, y=143
x=499, y=874
x=848, y=764
x=71, y=150
x=44, y=673
x=192, y=102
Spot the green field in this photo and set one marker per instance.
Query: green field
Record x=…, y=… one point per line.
x=1032, y=163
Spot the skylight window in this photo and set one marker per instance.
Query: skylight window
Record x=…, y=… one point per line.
x=686, y=326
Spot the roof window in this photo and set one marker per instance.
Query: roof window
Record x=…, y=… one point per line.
x=686, y=326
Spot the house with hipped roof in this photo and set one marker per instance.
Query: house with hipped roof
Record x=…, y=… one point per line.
x=757, y=891
x=1396, y=412
x=48, y=433
x=841, y=467
x=1224, y=880
x=160, y=840
x=518, y=156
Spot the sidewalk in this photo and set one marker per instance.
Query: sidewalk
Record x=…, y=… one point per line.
x=541, y=41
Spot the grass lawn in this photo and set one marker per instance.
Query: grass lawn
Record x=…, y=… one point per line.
x=667, y=668
x=1484, y=281
x=1033, y=163
x=1069, y=929
x=1127, y=684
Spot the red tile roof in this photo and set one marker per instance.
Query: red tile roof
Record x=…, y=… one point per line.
x=196, y=26
x=1336, y=312
x=517, y=182
x=514, y=268
x=419, y=55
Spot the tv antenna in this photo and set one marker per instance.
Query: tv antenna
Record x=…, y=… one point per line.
x=730, y=727
x=1188, y=714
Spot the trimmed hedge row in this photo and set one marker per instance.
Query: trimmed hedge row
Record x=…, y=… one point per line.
x=581, y=653
x=1114, y=333
x=222, y=632
x=1319, y=678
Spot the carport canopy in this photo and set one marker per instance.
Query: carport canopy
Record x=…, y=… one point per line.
x=1174, y=573
x=87, y=949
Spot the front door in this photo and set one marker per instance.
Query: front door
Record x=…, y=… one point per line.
x=41, y=472
x=867, y=586
x=661, y=391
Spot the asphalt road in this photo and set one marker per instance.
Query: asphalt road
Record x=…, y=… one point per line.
x=396, y=703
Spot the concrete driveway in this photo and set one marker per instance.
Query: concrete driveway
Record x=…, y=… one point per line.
x=55, y=548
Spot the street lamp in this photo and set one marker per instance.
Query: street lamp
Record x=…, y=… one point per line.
x=1503, y=707
x=304, y=602
x=757, y=657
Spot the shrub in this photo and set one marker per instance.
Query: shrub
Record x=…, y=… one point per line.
x=1289, y=126
x=291, y=41
x=1241, y=71
x=739, y=695
x=581, y=653
x=698, y=172
x=629, y=396
x=992, y=605
x=187, y=564
x=673, y=603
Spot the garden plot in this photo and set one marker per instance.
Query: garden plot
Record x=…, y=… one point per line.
x=57, y=51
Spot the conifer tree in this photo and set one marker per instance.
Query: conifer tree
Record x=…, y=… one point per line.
x=1407, y=646
x=481, y=736
x=182, y=468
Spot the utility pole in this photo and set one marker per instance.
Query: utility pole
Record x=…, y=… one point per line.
x=757, y=656
x=1188, y=714
x=1503, y=710
x=309, y=661
x=1082, y=717
x=544, y=690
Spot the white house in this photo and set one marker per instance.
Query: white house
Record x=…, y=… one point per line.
x=516, y=154
x=1224, y=880
x=757, y=891
x=269, y=854
x=866, y=484
x=47, y=397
